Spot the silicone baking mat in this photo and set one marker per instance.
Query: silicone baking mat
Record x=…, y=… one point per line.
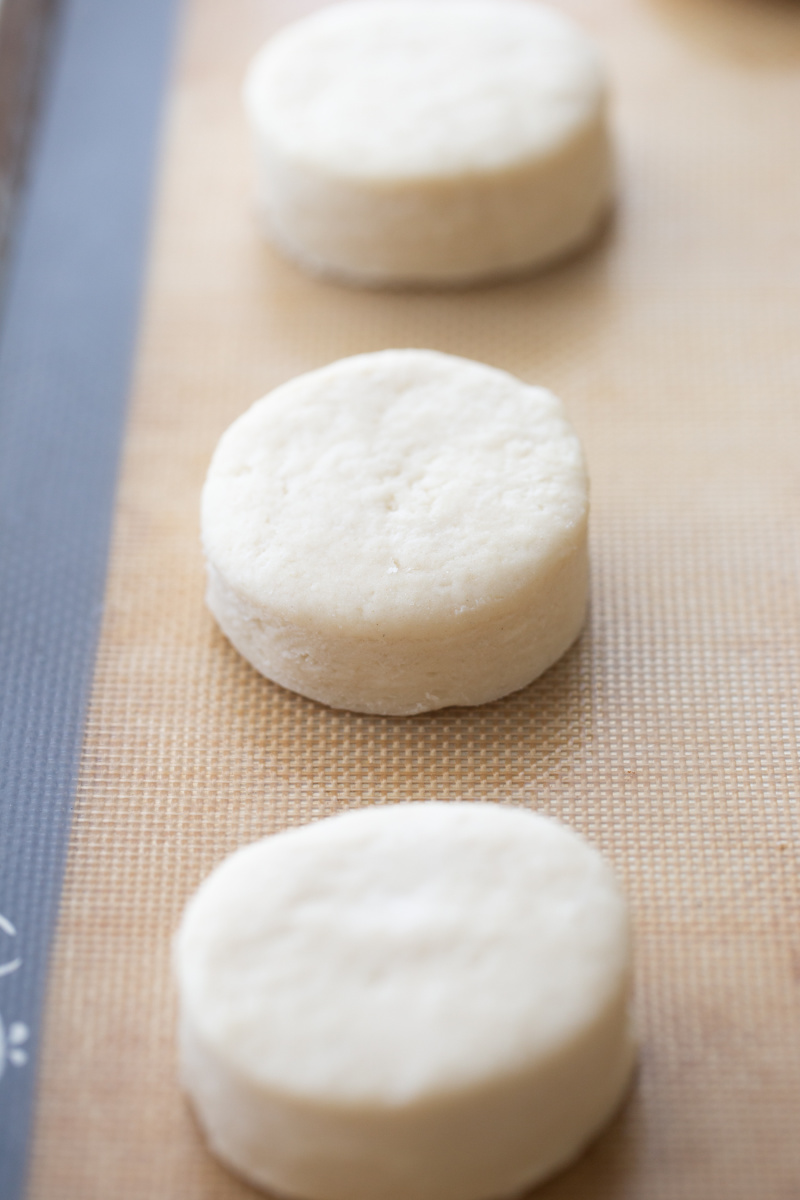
x=70, y=285
x=668, y=735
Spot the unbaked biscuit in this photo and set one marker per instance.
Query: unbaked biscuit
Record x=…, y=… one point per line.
x=399, y=532
x=411, y=142
x=413, y=1002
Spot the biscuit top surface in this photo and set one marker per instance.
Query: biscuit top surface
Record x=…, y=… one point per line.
x=398, y=954
x=395, y=493
x=409, y=90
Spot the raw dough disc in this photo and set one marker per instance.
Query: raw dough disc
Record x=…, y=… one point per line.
x=435, y=143
x=417, y=1002
x=399, y=532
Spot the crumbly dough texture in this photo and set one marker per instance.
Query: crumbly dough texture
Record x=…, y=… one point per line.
x=436, y=143
x=419, y=1002
x=399, y=532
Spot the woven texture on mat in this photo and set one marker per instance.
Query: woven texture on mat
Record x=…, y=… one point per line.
x=668, y=735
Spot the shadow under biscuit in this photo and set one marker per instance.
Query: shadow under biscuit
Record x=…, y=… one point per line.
x=524, y=749
x=525, y=324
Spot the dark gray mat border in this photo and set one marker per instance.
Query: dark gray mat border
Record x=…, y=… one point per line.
x=26, y=28
x=67, y=343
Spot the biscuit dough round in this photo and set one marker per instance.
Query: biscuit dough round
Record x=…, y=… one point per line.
x=399, y=532
x=416, y=1002
x=411, y=142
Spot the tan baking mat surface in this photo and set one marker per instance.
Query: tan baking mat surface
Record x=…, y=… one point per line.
x=669, y=735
